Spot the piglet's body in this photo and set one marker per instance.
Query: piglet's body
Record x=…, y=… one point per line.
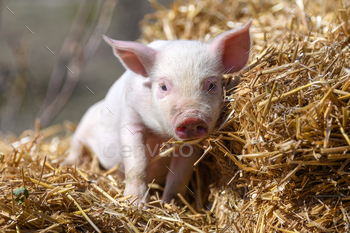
x=171, y=89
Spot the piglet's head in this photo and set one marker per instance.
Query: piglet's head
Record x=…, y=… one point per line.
x=186, y=78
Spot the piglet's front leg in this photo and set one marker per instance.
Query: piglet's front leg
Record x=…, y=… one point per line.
x=181, y=170
x=135, y=161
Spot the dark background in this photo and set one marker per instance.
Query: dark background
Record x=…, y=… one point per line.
x=26, y=64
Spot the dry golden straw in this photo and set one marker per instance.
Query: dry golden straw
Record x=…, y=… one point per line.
x=278, y=161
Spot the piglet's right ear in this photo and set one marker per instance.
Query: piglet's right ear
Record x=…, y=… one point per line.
x=135, y=56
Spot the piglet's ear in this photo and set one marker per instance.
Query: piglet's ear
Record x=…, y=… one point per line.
x=135, y=56
x=234, y=47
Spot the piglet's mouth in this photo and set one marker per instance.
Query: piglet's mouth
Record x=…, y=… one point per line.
x=192, y=128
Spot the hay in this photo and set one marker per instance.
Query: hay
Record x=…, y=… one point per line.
x=283, y=138
x=281, y=143
x=71, y=198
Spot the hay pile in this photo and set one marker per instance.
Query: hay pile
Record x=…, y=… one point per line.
x=281, y=142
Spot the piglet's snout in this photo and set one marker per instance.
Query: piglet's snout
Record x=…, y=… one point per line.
x=191, y=128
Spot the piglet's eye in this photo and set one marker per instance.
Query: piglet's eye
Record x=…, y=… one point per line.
x=211, y=86
x=163, y=87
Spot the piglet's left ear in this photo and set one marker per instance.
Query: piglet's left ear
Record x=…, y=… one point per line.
x=234, y=47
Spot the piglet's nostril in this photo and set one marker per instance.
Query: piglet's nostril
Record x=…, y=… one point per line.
x=191, y=128
x=202, y=130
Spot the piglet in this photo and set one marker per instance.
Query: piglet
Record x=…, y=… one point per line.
x=170, y=89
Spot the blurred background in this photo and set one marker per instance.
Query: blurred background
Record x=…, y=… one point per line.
x=53, y=61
